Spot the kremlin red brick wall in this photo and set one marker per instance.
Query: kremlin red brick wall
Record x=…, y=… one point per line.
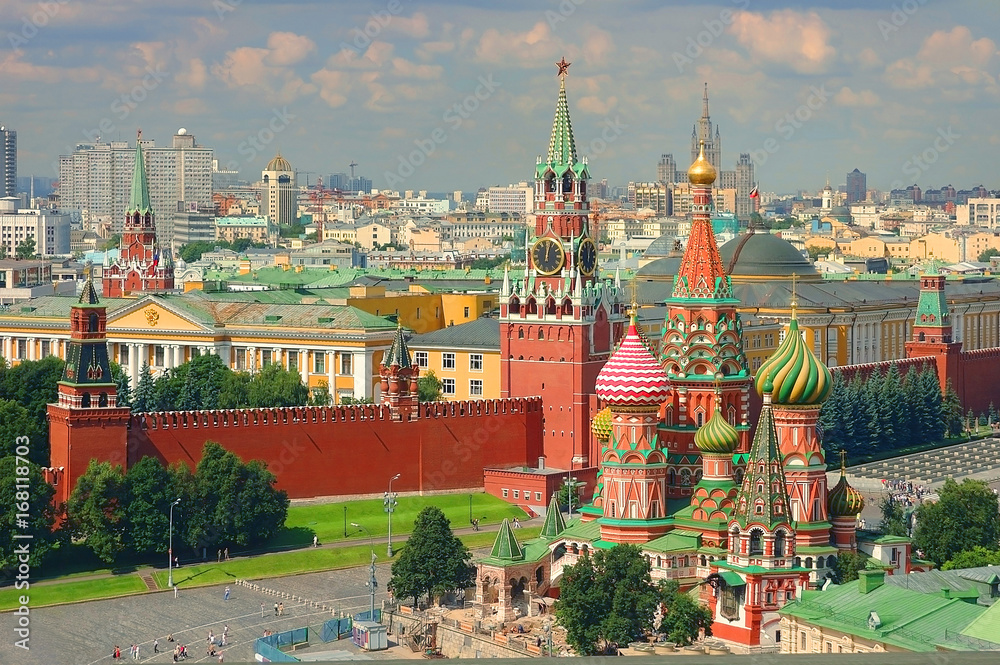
x=327, y=451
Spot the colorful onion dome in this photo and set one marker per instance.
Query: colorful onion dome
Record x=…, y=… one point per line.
x=701, y=171
x=798, y=378
x=717, y=436
x=632, y=376
x=843, y=500
x=601, y=424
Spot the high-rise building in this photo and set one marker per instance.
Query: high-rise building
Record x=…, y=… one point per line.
x=655, y=196
x=278, y=200
x=857, y=186
x=510, y=199
x=8, y=161
x=96, y=180
x=744, y=185
x=48, y=228
x=702, y=133
x=666, y=170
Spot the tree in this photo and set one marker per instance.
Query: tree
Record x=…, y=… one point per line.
x=16, y=421
x=965, y=516
x=607, y=600
x=192, y=251
x=984, y=256
x=685, y=620
x=952, y=411
x=36, y=503
x=433, y=561
x=893, y=517
x=848, y=565
x=146, y=498
x=3, y=251
x=34, y=384
x=429, y=387
x=320, y=395
x=568, y=488
x=977, y=557
x=123, y=387
x=203, y=378
x=96, y=512
x=275, y=386
x=25, y=249
x=144, y=399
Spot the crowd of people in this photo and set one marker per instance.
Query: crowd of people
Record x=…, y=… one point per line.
x=904, y=491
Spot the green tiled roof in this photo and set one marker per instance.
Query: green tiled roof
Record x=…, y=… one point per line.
x=986, y=626
x=554, y=523
x=580, y=530
x=506, y=549
x=397, y=354
x=241, y=221
x=674, y=541
x=139, y=201
x=482, y=333
x=89, y=295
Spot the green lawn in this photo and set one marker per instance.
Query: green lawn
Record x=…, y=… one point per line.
x=327, y=520
x=73, y=591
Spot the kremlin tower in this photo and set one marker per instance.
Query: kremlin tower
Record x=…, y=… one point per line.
x=633, y=464
x=702, y=344
x=139, y=268
x=399, y=379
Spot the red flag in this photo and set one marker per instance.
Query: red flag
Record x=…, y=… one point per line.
x=753, y=192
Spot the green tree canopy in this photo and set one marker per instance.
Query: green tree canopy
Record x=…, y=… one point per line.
x=193, y=250
x=965, y=516
x=848, y=565
x=984, y=256
x=25, y=249
x=893, y=517
x=951, y=411
x=17, y=421
x=34, y=385
x=36, y=503
x=144, y=398
x=320, y=395
x=433, y=561
x=977, y=557
x=96, y=510
x=607, y=600
x=123, y=387
x=275, y=386
x=147, y=493
x=429, y=387
x=684, y=619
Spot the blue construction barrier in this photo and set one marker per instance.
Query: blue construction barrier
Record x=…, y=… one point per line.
x=335, y=629
x=366, y=616
x=271, y=654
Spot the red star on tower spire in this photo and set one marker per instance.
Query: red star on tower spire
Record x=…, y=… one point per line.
x=563, y=66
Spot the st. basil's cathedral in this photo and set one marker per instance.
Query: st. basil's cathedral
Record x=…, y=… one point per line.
x=740, y=510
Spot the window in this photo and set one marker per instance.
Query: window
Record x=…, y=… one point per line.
x=466, y=312
x=730, y=603
x=538, y=496
x=45, y=349
x=769, y=598
x=319, y=362
x=448, y=386
x=769, y=339
x=448, y=360
x=158, y=356
x=123, y=354
x=475, y=362
x=829, y=647
x=265, y=357
x=241, y=359
x=517, y=494
x=421, y=358
x=777, y=637
x=22, y=349
x=504, y=492
x=802, y=640
x=476, y=387
x=345, y=363
x=756, y=543
x=293, y=360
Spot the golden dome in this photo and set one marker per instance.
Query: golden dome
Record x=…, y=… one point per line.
x=702, y=172
x=279, y=163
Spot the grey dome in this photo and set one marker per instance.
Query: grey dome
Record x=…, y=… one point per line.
x=764, y=255
x=662, y=246
x=662, y=267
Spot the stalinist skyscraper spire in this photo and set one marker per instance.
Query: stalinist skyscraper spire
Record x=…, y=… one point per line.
x=703, y=133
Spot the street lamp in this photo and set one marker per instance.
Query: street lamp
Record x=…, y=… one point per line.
x=390, y=505
x=170, y=546
x=372, y=582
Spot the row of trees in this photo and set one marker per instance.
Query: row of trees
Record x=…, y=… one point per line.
x=26, y=389
x=224, y=502
x=206, y=382
x=193, y=250
x=24, y=250
x=888, y=411
x=608, y=599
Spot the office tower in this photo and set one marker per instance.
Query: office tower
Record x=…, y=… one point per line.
x=278, y=200
x=8, y=161
x=857, y=185
x=744, y=184
x=666, y=170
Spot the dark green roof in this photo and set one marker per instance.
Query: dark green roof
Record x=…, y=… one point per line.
x=398, y=355
x=554, y=523
x=764, y=254
x=482, y=333
x=140, y=185
x=89, y=294
x=506, y=549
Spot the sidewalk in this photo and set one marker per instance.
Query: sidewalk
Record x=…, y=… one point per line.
x=348, y=542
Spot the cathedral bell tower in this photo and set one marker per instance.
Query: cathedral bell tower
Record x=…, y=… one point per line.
x=558, y=322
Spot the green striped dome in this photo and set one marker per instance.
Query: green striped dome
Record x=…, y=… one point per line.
x=844, y=500
x=601, y=424
x=717, y=436
x=798, y=378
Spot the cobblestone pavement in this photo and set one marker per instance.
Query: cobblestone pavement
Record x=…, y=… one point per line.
x=86, y=633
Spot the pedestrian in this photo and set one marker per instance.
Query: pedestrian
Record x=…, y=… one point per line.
x=225, y=630
x=137, y=652
x=220, y=656
x=227, y=554
x=220, y=556
x=281, y=609
x=226, y=597
x=275, y=608
x=315, y=541
x=224, y=641
x=262, y=610
x=117, y=653
x=156, y=646
x=475, y=524
x=175, y=591
x=177, y=562
x=170, y=637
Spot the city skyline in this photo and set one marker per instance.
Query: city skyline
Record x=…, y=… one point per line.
x=806, y=88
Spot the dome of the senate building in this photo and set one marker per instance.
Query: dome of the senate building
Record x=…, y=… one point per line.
x=762, y=255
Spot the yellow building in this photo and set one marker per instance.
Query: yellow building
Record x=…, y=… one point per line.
x=257, y=229
x=466, y=358
x=936, y=246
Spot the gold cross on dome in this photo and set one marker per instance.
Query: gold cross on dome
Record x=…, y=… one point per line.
x=563, y=66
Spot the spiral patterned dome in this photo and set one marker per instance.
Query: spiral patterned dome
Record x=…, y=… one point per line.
x=632, y=376
x=798, y=378
x=843, y=500
x=717, y=436
x=600, y=425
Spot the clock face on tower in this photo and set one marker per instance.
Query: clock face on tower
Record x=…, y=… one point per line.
x=547, y=256
x=586, y=257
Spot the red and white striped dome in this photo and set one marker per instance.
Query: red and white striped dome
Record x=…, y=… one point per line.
x=632, y=375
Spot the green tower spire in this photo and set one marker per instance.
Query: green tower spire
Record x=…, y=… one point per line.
x=562, y=155
x=140, y=185
x=763, y=498
x=932, y=307
x=506, y=546
x=554, y=523
x=398, y=354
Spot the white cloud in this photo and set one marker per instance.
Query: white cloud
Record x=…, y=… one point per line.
x=789, y=38
x=947, y=59
x=519, y=48
x=847, y=97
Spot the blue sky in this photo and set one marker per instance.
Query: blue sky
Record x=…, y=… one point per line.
x=906, y=91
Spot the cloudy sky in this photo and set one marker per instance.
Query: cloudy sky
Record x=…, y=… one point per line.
x=452, y=95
